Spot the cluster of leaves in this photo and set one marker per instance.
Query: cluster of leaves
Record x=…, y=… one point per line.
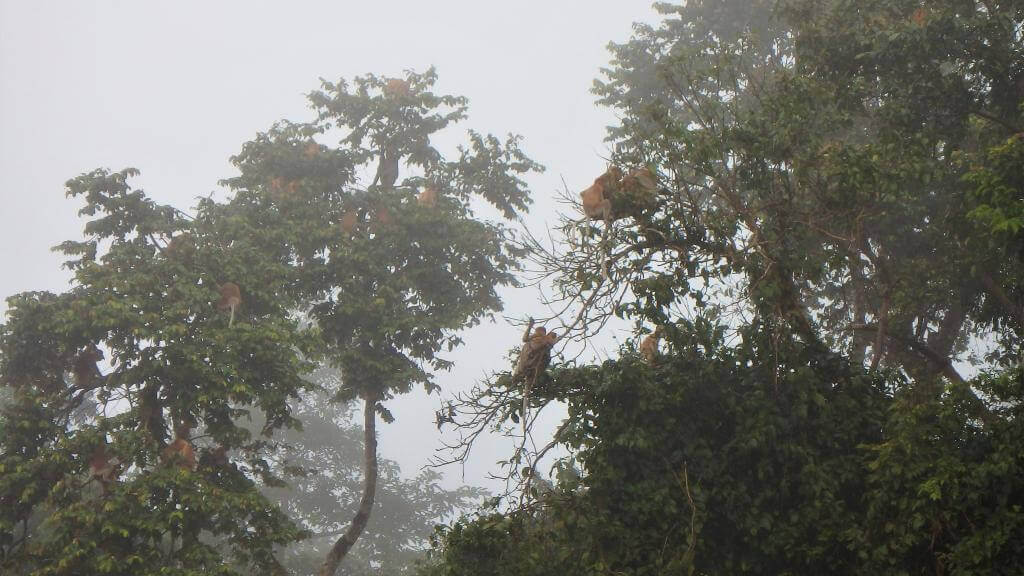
x=705, y=464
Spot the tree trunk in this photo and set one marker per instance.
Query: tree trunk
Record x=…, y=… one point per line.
x=355, y=529
x=859, y=346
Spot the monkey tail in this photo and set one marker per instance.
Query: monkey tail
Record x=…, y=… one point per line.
x=604, y=249
x=231, y=319
x=526, y=404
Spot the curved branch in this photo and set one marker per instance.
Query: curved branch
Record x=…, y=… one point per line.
x=355, y=529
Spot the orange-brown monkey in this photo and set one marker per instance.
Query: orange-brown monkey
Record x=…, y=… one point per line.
x=610, y=181
x=230, y=298
x=641, y=180
x=536, y=342
x=534, y=358
x=102, y=467
x=597, y=200
x=181, y=450
x=396, y=88
x=181, y=247
x=595, y=204
x=649, y=346
x=428, y=197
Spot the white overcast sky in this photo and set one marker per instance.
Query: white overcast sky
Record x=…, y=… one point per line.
x=175, y=88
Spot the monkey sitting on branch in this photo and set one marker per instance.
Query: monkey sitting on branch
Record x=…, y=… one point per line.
x=613, y=195
x=230, y=299
x=181, y=451
x=534, y=358
x=649, y=346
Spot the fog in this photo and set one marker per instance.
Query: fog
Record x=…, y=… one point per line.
x=174, y=89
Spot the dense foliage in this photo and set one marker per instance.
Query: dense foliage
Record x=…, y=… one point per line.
x=820, y=203
x=706, y=464
x=149, y=309
x=834, y=254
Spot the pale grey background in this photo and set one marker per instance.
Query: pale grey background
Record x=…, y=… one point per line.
x=174, y=89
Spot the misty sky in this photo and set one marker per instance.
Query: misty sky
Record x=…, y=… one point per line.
x=175, y=88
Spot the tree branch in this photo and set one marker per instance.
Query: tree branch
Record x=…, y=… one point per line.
x=882, y=331
x=940, y=362
x=995, y=120
x=942, y=341
x=355, y=529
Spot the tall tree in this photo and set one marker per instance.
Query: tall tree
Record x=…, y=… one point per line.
x=390, y=265
x=823, y=152
x=832, y=190
x=139, y=464
x=324, y=459
x=121, y=384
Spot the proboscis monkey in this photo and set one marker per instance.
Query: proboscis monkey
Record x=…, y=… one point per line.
x=641, y=180
x=534, y=358
x=311, y=150
x=180, y=246
x=595, y=204
x=384, y=216
x=597, y=200
x=396, y=88
x=349, y=221
x=102, y=466
x=230, y=298
x=649, y=346
x=610, y=180
x=529, y=336
x=387, y=169
x=428, y=197
x=84, y=367
x=181, y=450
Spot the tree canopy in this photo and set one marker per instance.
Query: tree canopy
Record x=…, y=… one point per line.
x=144, y=463
x=829, y=245
x=88, y=485
x=813, y=216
